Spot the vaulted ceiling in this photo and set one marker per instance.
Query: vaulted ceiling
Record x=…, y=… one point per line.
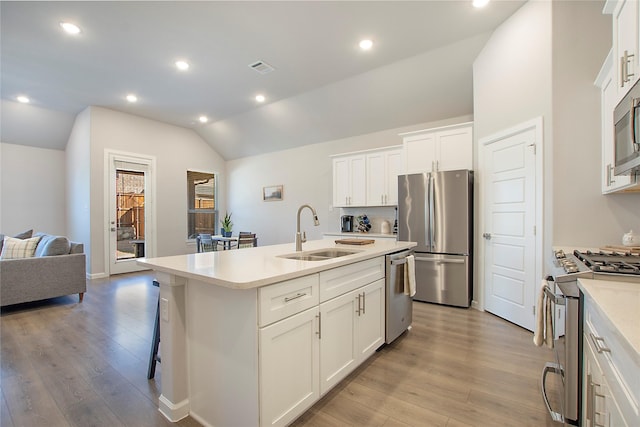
x=323, y=86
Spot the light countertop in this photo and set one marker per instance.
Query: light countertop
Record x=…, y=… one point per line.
x=620, y=303
x=250, y=268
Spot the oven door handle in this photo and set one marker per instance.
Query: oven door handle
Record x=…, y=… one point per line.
x=555, y=369
x=557, y=299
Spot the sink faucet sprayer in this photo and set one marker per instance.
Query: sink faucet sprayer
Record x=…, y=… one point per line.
x=301, y=238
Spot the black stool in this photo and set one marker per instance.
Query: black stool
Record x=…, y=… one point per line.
x=153, y=357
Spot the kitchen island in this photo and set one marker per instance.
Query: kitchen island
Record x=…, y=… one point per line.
x=251, y=337
x=611, y=352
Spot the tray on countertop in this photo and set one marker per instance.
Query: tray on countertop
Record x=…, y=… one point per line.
x=619, y=248
x=355, y=241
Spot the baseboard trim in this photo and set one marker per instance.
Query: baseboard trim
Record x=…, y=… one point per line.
x=173, y=412
x=97, y=276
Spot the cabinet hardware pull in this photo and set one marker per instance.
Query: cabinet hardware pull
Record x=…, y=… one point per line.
x=296, y=296
x=319, y=333
x=600, y=348
x=364, y=301
x=359, y=309
x=625, y=75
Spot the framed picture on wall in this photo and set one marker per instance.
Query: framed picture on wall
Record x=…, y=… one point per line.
x=272, y=193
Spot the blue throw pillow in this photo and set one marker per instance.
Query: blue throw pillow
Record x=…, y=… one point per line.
x=52, y=246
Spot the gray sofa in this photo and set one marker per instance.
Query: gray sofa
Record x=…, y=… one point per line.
x=43, y=275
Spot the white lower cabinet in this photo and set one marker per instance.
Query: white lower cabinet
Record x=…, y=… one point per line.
x=611, y=384
x=289, y=368
x=352, y=330
x=304, y=355
x=599, y=405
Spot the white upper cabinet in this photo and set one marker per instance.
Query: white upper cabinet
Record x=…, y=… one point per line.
x=349, y=176
x=607, y=84
x=440, y=149
x=383, y=168
x=367, y=178
x=625, y=43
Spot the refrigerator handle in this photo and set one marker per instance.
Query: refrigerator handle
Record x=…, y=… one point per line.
x=432, y=230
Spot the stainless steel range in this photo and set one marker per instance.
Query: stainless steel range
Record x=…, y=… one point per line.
x=564, y=271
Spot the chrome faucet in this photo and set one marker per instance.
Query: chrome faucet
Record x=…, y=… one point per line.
x=301, y=238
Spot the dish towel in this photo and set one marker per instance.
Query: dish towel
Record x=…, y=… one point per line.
x=543, y=334
x=410, y=276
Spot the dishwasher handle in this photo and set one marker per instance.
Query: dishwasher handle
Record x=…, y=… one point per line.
x=441, y=260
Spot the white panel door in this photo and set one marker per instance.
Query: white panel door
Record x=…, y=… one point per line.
x=510, y=244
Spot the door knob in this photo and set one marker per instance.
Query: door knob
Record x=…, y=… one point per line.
x=113, y=229
x=486, y=236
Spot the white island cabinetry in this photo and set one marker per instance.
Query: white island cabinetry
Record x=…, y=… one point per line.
x=307, y=354
x=253, y=338
x=611, y=353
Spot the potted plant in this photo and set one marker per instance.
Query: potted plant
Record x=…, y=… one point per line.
x=226, y=225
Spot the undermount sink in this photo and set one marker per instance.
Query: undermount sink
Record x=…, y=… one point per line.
x=319, y=255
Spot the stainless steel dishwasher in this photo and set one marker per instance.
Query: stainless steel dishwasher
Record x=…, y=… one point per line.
x=399, y=307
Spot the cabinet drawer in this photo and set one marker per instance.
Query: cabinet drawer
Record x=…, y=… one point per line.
x=341, y=280
x=284, y=299
x=620, y=368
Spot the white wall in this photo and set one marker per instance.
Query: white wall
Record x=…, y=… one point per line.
x=78, y=186
x=306, y=174
x=512, y=84
x=176, y=150
x=582, y=216
x=32, y=189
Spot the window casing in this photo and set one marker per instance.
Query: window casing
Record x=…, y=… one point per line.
x=202, y=213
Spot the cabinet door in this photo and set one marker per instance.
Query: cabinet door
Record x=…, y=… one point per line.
x=358, y=181
x=420, y=153
x=383, y=169
x=370, y=320
x=341, y=178
x=376, y=179
x=288, y=368
x=393, y=169
x=610, y=182
x=338, y=356
x=625, y=24
x=349, y=181
x=455, y=149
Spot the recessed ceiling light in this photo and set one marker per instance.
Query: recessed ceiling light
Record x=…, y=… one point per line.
x=23, y=99
x=366, y=44
x=70, y=28
x=260, y=98
x=203, y=119
x=132, y=98
x=182, y=65
x=480, y=3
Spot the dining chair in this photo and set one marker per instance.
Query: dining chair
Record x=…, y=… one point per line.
x=205, y=243
x=247, y=240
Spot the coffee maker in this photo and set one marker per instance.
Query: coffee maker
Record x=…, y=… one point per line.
x=346, y=223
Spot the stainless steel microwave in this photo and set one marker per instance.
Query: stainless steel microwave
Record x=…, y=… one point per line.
x=626, y=119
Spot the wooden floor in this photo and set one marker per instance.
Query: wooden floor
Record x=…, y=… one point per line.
x=70, y=364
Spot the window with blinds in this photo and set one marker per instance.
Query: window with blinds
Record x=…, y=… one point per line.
x=202, y=213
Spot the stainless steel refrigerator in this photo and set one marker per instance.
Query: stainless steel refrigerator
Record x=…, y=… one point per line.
x=436, y=210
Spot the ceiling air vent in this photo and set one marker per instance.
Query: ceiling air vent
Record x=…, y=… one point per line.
x=262, y=67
